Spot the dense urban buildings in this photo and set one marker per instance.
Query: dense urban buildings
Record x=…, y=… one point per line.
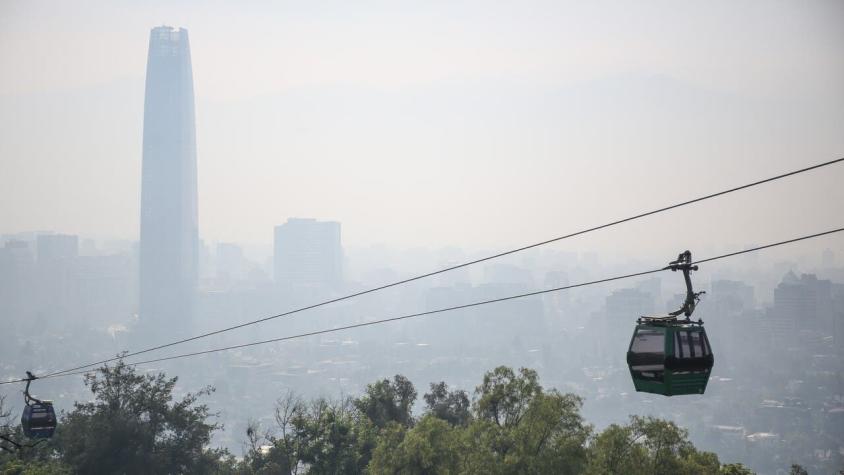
x=777, y=374
x=169, y=233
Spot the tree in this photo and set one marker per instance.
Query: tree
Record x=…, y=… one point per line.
x=648, y=445
x=336, y=439
x=797, y=469
x=735, y=469
x=386, y=401
x=519, y=428
x=285, y=456
x=503, y=397
x=319, y=437
x=432, y=446
x=6, y=431
x=551, y=436
x=669, y=449
x=34, y=467
x=133, y=425
x=450, y=406
x=615, y=451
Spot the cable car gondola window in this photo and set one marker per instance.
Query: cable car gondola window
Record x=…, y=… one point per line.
x=691, y=344
x=706, y=344
x=649, y=341
x=647, y=350
x=697, y=345
x=683, y=350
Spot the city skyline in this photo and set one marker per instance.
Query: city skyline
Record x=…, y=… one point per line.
x=485, y=130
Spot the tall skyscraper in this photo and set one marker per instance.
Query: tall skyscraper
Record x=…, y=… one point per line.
x=169, y=229
x=308, y=253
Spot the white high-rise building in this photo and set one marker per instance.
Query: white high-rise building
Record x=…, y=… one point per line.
x=308, y=253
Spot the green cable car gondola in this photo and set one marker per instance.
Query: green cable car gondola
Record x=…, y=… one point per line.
x=672, y=356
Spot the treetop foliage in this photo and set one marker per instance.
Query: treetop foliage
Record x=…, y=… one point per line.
x=511, y=425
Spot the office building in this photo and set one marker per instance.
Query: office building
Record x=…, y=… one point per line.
x=308, y=253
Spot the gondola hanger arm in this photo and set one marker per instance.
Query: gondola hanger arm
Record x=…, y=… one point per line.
x=28, y=397
x=684, y=264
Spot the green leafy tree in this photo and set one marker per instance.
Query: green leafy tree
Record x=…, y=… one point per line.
x=285, y=455
x=450, y=406
x=797, y=469
x=336, y=438
x=615, y=451
x=320, y=437
x=503, y=397
x=735, y=469
x=34, y=467
x=432, y=446
x=648, y=445
x=134, y=426
x=6, y=430
x=551, y=436
x=519, y=428
x=669, y=449
x=386, y=401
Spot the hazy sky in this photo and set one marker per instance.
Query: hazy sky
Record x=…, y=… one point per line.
x=432, y=123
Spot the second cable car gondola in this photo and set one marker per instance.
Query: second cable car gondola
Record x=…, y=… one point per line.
x=668, y=355
x=38, y=420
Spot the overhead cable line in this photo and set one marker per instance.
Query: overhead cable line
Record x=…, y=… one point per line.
x=448, y=309
x=459, y=266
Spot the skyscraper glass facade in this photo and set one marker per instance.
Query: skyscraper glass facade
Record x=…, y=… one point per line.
x=169, y=229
